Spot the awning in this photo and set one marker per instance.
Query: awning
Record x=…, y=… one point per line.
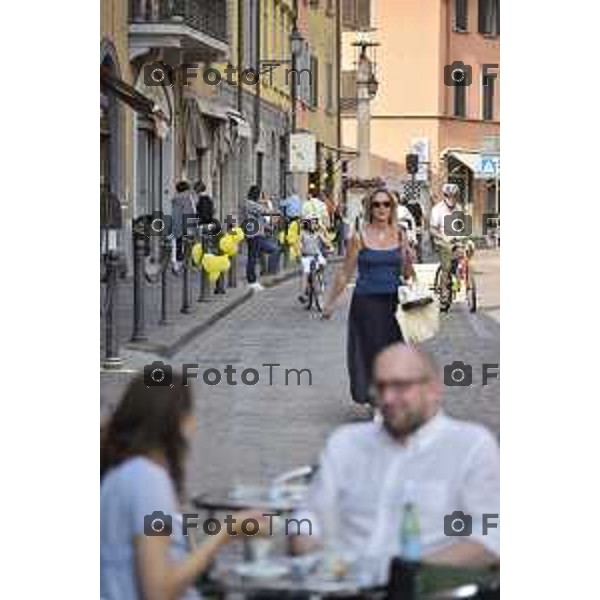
x=196, y=131
x=243, y=127
x=128, y=94
x=472, y=160
x=211, y=107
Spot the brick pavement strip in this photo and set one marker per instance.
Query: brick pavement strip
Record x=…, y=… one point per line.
x=251, y=433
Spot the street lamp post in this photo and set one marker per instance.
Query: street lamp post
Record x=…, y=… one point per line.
x=367, y=86
x=296, y=49
x=296, y=44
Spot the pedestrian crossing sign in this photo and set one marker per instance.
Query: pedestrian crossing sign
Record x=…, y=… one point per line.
x=489, y=166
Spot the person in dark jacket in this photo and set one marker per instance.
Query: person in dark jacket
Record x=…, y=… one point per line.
x=182, y=208
x=205, y=207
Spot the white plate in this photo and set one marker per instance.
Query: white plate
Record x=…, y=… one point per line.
x=261, y=570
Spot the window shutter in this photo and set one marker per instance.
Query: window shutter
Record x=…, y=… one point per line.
x=481, y=15
x=460, y=101
x=363, y=14
x=356, y=14
x=461, y=18
x=488, y=98
x=349, y=14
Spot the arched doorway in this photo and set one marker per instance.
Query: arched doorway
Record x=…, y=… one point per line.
x=153, y=152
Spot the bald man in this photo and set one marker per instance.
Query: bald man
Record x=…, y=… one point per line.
x=416, y=453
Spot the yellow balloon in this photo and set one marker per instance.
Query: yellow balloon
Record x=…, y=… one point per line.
x=215, y=265
x=237, y=233
x=228, y=245
x=197, y=253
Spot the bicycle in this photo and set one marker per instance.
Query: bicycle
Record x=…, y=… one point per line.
x=315, y=288
x=461, y=277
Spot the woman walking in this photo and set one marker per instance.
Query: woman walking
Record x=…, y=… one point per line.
x=142, y=455
x=380, y=252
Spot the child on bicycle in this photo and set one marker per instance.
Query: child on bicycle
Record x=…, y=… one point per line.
x=312, y=241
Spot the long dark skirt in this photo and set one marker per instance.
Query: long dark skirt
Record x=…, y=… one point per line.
x=372, y=326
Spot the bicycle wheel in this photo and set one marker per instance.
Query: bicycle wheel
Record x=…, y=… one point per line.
x=310, y=288
x=319, y=290
x=444, y=293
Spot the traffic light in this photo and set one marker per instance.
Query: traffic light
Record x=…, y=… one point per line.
x=314, y=182
x=412, y=164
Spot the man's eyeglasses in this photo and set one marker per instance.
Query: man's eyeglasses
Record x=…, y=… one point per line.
x=397, y=385
x=381, y=204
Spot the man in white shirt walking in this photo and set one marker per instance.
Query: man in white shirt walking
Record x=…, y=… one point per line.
x=449, y=468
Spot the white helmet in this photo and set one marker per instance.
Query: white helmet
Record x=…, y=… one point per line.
x=450, y=189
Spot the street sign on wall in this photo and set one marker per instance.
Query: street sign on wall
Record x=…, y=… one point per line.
x=489, y=166
x=303, y=153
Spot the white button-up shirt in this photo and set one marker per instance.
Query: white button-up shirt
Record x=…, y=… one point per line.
x=365, y=476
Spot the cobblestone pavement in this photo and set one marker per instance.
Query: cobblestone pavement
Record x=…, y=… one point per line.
x=247, y=434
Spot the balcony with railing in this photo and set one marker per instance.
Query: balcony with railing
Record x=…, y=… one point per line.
x=199, y=26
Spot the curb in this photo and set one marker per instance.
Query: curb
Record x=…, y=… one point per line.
x=169, y=350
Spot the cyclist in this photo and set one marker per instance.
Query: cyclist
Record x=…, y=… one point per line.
x=442, y=241
x=314, y=206
x=312, y=241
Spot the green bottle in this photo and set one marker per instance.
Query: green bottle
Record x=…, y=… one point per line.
x=410, y=533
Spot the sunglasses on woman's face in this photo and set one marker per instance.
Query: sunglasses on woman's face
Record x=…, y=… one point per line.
x=381, y=204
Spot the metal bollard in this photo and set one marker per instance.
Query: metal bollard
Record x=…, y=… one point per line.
x=185, y=301
x=139, y=251
x=164, y=281
x=232, y=275
x=203, y=281
x=112, y=360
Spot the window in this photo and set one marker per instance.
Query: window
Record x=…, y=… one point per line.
x=487, y=92
x=251, y=50
x=265, y=32
x=314, y=71
x=314, y=3
x=330, y=8
x=274, y=52
x=329, y=82
x=489, y=17
x=460, y=101
x=356, y=14
x=461, y=15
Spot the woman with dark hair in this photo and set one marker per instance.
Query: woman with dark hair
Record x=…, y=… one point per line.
x=379, y=251
x=142, y=456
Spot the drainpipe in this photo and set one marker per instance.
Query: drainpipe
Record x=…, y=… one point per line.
x=257, y=96
x=240, y=60
x=338, y=32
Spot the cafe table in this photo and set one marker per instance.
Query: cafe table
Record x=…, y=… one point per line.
x=294, y=582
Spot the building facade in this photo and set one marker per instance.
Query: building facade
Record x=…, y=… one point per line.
x=415, y=110
x=170, y=110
